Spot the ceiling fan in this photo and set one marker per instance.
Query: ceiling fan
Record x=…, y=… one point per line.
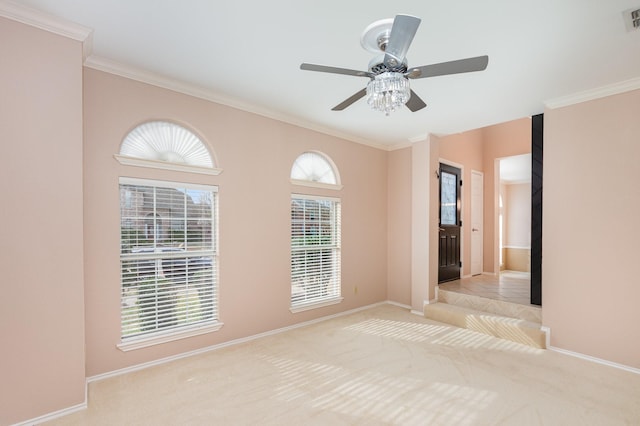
x=389, y=74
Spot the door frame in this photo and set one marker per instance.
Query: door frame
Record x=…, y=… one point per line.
x=471, y=207
x=462, y=204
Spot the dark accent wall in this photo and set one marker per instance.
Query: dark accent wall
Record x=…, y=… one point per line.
x=537, y=125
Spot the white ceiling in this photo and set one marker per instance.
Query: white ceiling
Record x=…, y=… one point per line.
x=248, y=55
x=516, y=169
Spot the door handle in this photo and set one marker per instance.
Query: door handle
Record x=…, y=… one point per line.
x=474, y=229
x=442, y=229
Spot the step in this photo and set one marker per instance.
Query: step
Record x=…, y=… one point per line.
x=513, y=329
x=499, y=307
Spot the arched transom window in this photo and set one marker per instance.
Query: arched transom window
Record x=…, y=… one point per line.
x=315, y=169
x=166, y=145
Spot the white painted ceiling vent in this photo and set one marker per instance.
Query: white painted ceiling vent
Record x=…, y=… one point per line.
x=632, y=19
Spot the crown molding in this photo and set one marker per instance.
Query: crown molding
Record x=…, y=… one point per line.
x=398, y=146
x=592, y=94
x=45, y=21
x=112, y=67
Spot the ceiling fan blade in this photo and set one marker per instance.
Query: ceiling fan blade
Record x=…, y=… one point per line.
x=358, y=95
x=479, y=63
x=334, y=70
x=415, y=103
x=402, y=32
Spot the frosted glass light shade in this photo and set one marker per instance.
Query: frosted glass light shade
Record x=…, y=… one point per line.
x=166, y=141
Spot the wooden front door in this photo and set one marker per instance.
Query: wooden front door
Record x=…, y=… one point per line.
x=450, y=224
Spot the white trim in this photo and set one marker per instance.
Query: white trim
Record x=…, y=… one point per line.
x=592, y=94
x=147, y=77
x=517, y=247
x=164, y=165
x=398, y=146
x=44, y=21
x=316, y=304
x=57, y=414
x=419, y=138
x=515, y=182
x=319, y=185
x=314, y=197
x=132, y=345
x=234, y=342
x=124, y=180
x=425, y=303
x=547, y=333
x=400, y=305
x=594, y=359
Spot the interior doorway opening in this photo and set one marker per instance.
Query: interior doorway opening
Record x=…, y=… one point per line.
x=514, y=215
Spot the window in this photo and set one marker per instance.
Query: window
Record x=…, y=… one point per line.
x=166, y=145
x=315, y=235
x=315, y=251
x=168, y=259
x=315, y=170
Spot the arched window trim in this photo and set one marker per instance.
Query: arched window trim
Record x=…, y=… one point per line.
x=313, y=184
x=128, y=160
x=164, y=165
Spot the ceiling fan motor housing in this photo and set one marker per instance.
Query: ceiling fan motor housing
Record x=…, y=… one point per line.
x=377, y=66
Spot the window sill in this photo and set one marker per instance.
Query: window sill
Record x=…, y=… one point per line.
x=320, y=185
x=314, y=305
x=158, y=339
x=165, y=165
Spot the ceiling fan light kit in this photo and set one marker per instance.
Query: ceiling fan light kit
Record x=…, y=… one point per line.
x=388, y=91
x=388, y=88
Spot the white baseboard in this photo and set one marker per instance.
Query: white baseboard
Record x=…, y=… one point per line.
x=596, y=360
x=229, y=343
x=400, y=305
x=56, y=414
x=83, y=406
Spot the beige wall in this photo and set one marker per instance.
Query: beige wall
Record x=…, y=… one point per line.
x=465, y=149
x=499, y=141
x=58, y=260
x=399, y=226
x=516, y=259
x=517, y=223
x=256, y=155
x=478, y=150
x=591, y=200
x=41, y=307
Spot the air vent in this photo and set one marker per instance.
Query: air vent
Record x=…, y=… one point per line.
x=632, y=19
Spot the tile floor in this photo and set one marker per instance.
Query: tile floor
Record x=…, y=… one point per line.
x=508, y=286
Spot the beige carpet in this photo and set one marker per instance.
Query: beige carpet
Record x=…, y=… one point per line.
x=378, y=366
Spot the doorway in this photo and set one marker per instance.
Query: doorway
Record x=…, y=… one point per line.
x=514, y=214
x=449, y=264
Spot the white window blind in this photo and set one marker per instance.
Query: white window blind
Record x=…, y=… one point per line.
x=313, y=167
x=168, y=257
x=315, y=249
